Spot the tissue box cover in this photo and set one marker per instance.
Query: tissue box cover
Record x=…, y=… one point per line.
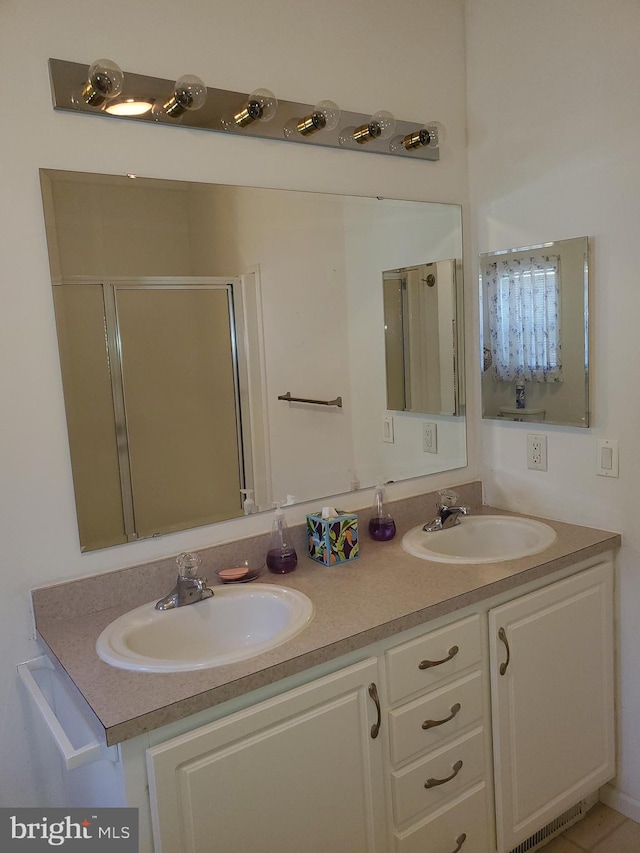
x=333, y=540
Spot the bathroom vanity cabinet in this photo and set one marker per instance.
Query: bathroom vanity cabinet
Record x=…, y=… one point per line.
x=301, y=771
x=438, y=740
x=470, y=731
x=509, y=702
x=552, y=676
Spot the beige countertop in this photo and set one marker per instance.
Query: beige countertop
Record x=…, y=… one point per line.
x=372, y=598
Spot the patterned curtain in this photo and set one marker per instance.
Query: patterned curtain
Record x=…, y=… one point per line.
x=524, y=318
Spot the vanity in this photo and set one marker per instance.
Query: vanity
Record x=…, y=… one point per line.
x=427, y=705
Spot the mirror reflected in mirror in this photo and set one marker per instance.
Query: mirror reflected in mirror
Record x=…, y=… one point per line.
x=206, y=334
x=535, y=334
x=421, y=314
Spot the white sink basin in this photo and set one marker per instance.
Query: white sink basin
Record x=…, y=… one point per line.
x=481, y=539
x=235, y=624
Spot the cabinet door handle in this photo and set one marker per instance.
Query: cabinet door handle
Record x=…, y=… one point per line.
x=431, y=783
x=426, y=664
x=429, y=724
x=502, y=635
x=373, y=692
x=460, y=841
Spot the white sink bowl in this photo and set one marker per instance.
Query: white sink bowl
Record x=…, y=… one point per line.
x=481, y=539
x=235, y=624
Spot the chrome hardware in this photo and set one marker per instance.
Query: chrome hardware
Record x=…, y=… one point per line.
x=430, y=724
x=448, y=514
x=460, y=841
x=502, y=635
x=375, y=728
x=431, y=783
x=290, y=399
x=426, y=664
x=188, y=588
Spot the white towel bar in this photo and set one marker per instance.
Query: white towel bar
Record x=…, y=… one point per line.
x=65, y=707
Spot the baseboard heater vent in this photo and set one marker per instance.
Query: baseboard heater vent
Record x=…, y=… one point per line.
x=555, y=827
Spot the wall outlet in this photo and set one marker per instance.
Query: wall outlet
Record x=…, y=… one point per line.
x=430, y=437
x=537, y=452
x=387, y=429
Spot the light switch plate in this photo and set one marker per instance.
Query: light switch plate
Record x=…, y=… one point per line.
x=607, y=458
x=387, y=429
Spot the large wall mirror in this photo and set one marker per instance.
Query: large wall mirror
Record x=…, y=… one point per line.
x=224, y=347
x=535, y=333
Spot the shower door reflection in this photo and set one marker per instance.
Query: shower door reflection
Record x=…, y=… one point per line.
x=168, y=361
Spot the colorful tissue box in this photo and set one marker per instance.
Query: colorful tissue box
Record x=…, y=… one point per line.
x=333, y=540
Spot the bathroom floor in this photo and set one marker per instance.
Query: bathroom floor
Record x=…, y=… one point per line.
x=603, y=830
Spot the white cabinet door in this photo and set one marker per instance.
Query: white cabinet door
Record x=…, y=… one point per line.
x=552, y=697
x=297, y=772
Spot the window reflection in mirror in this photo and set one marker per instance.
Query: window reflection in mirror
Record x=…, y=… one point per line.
x=421, y=329
x=535, y=333
x=253, y=293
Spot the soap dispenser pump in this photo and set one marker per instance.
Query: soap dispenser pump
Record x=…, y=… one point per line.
x=281, y=556
x=248, y=505
x=382, y=527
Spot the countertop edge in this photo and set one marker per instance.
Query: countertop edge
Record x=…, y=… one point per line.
x=201, y=701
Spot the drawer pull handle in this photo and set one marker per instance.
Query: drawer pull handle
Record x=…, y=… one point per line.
x=429, y=724
x=426, y=664
x=375, y=728
x=460, y=841
x=502, y=635
x=431, y=783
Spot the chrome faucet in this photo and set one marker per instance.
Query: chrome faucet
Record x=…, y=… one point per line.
x=448, y=512
x=189, y=587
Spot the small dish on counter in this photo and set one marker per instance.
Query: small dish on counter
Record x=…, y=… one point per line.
x=242, y=572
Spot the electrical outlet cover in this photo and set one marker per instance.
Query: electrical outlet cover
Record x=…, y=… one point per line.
x=537, y=452
x=429, y=437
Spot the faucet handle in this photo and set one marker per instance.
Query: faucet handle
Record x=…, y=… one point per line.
x=448, y=497
x=188, y=565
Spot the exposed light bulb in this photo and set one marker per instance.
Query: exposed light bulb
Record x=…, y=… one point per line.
x=346, y=136
x=380, y=126
x=261, y=105
x=325, y=116
x=428, y=136
x=128, y=107
x=104, y=81
x=189, y=94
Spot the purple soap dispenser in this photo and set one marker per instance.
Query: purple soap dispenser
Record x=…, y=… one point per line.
x=382, y=527
x=281, y=556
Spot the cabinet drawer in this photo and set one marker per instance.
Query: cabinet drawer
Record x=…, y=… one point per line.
x=444, y=712
x=461, y=763
x=462, y=826
x=420, y=664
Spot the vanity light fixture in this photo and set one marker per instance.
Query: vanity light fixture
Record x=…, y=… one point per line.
x=325, y=116
x=261, y=105
x=189, y=94
x=103, y=89
x=104, y=81
x=380, y=126
x=428, y=136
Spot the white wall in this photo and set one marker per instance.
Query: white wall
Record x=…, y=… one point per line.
x=554, y=124
x=355, y=53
